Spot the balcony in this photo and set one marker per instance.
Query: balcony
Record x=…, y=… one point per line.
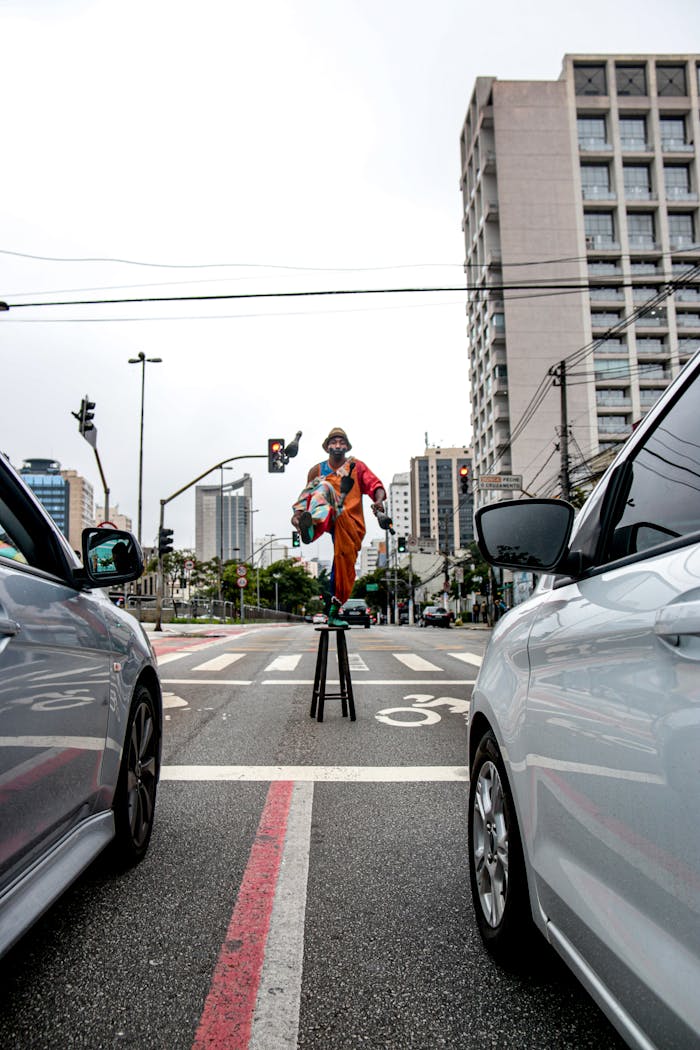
x=601, y=242
x=647, y=398
x=651, y=346
x=639, y=193
x=599, y=294
x=680, y=193
x=608, y=401
x=688, y=346
x=612, y=346
x=634, y=144
x=687, y=320
x=643, y=242
x=594, y=145
x=676, y=146
x=653, y=372
x=598, y=193
x=687, y=295
x=679, y=241
x=610, y=425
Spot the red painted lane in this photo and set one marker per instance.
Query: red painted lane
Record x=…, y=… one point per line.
x=227, y=1017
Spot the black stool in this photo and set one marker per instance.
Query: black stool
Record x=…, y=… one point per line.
x=320, y=695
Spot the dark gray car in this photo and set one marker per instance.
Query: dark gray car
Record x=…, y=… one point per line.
x=80, y=708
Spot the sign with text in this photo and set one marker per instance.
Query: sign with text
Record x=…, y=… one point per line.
x=501, y=481
x=421, y=544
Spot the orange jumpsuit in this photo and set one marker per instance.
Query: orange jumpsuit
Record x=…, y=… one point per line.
x=347, y=527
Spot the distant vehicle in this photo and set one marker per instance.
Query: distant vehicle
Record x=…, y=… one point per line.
x=584, y=733
x=320, y=618
x=435, y=616
x=356, y=611
x=81, y=713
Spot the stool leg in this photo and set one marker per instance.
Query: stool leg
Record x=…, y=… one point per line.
x=319, y=692
x=345, y=679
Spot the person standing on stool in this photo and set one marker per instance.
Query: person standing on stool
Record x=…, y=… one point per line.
x=331, y=502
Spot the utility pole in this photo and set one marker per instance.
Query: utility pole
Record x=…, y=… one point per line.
x=558, y=372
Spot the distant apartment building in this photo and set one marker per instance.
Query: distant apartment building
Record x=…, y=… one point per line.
x=580, y=205
x=399, y=503
x=81, y=507
x=223, y=526
x=372, y=556
x=120, y=521
x=439, y=509
x=44, y=478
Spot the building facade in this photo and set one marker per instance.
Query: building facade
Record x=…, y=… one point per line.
x=580, y=206
x=44, y=478
x=81, y=507
x=439, y=509
x=399, y=503
x=223, y=520
x=119, y=520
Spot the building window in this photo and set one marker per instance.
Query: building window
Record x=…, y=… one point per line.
x=672, y=131
x=595, y=181
x=677, y=181
x=633, y=133
x=631, y=80
x=681, y=229
x=599, y=227
x=592, y=133
x=604, y=318
x=637, y=181
x=590, y=80
x=640, y=227
x=670, y=81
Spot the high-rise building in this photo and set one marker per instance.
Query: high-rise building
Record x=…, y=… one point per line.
x=120, y=521
x=580, y=206
x=223, y=525
x=81, y=507
x=43, y=476
x=439, y=508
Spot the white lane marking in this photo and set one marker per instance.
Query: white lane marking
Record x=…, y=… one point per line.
x=468, y=658
x=416, y=663
x=167, y=658
x=365, y=681
x=171, y=700
x=276, y=1018
x=356, y=663
x=218, y=663
x=206, y=681
x=284, y=663
x=319, y=774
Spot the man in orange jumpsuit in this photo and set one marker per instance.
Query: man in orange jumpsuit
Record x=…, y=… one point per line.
x=331, y=502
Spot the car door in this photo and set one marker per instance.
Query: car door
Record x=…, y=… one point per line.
x=54, y=684
x=614, y=735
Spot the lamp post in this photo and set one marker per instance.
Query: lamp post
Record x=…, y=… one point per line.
x=141, y=360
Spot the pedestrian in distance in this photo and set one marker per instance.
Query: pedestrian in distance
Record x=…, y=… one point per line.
x=476, y=612
x=331, y=503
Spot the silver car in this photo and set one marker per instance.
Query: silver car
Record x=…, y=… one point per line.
x=584, y=734
x=80, y=708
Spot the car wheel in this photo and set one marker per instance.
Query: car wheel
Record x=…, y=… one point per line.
x=496, y=864
x=135, y=797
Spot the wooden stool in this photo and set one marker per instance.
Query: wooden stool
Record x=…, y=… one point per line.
x=320, y=695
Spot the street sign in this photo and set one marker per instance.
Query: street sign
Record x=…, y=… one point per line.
x=242, y=581
x=372, y=587
x=189, y=565
x=500, y=481
x=421, y=544
x=241, y=570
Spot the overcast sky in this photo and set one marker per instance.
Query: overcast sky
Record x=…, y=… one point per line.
x=157, y=148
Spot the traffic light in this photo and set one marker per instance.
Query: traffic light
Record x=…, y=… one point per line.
x=85, y=415
x=165, y=541
x=401, y=544
x=296, y=539
x=275, y=455
x=464, y=480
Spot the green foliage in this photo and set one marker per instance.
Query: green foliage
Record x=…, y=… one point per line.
x=295, y=587
x=378, y=599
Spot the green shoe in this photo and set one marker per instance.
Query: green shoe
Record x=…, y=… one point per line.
x=334, y=621
x=306, y=527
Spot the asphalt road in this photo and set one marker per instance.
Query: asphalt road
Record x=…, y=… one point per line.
x=355, y=832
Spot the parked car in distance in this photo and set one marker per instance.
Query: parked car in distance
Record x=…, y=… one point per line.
x=320, y=617
x=584, y=733
x=80, y=711
x=435, y=616
x=356, y=611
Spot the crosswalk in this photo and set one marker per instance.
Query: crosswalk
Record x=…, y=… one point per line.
x=290, y=663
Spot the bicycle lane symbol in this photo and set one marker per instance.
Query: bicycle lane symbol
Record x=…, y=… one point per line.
x=423, y=710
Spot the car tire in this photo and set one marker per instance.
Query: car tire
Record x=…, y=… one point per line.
x=135, y=796
x=496, y=864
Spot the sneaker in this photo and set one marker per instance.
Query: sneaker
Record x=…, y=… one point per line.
x=306, y=527
x=333, y=618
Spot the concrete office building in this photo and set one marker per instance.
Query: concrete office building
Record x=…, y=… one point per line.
x=223, y=520
x=81, y=507
x=588, y=181
x=439, y=510
x=119, y=520
x=399, y=503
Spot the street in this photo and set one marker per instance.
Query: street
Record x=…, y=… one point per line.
x=320, y=867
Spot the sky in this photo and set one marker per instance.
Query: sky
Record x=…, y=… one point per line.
x=163, y=149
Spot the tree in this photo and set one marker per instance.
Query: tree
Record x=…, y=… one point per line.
x=295, y=587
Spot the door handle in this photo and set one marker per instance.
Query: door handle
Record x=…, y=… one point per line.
x=678, y=618
x=8, y=628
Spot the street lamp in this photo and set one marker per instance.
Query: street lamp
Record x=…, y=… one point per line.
x=141, y=360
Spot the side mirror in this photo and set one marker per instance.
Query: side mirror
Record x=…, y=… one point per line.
x=110, y=557
x=526, y=534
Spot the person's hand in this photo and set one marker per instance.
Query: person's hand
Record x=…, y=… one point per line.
x=378, y=507
x=295, y=520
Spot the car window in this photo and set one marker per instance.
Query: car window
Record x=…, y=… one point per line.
x=660, y=499
x=15, y=543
